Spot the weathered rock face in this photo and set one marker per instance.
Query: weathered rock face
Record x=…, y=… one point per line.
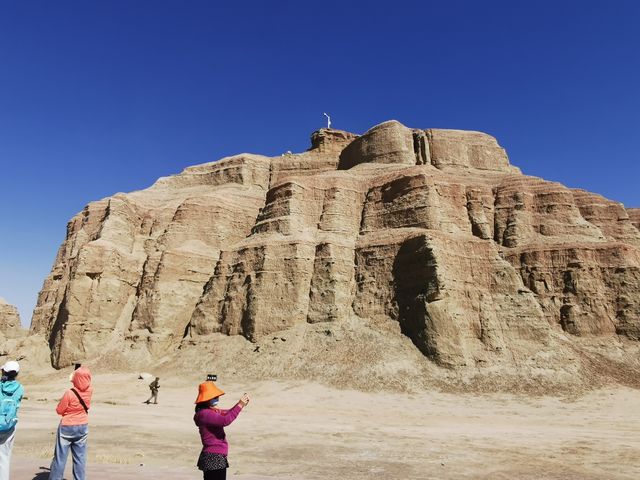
x=429, y=232
x=634, y=216
x=10, y=326
x=389, y=142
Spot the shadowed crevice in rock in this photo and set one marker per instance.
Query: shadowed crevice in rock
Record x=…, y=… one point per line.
x=421, y=147
x=56, y=335
x=416, y=285
x=247, y=325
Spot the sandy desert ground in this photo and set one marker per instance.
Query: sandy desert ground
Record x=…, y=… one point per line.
x=307, y=431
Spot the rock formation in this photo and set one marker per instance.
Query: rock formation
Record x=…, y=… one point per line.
x=10, y=326
x=634, y=215
x=428, y=232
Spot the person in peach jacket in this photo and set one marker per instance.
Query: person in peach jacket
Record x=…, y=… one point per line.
x=74, y=426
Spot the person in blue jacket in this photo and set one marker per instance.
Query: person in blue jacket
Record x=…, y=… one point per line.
x=11, y=393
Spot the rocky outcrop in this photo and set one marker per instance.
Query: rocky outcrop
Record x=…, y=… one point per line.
x=10, y=326
x=429, y=234
x=133, y=266
x=634, y=216
x=586, y=289
x=387, y=143
x=476, y=150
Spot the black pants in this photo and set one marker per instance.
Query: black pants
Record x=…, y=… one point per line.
x=215, y=474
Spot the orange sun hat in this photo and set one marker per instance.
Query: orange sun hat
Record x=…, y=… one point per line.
x=207, y=391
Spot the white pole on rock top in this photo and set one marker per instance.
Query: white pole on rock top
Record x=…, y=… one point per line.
x=328, y=120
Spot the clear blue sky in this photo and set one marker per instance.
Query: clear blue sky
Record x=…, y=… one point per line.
x=102, y=97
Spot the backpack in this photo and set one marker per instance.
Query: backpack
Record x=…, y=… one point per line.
x=8, y=412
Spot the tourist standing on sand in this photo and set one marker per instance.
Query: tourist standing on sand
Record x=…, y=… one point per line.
x=74, y=426
x=11, y=393
x=154, y=386
x=211, y=422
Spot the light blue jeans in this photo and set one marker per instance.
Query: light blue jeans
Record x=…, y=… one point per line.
x=74, y=436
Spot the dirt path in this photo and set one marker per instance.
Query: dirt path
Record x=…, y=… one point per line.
x=307, y=432
x=29, y=469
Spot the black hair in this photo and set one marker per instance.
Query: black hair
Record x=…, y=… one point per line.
x=205, y=404
x=10, y=375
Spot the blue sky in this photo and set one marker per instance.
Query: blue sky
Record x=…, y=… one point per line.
x=102, y=97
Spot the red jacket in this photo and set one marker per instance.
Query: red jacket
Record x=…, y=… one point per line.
x=69, y=406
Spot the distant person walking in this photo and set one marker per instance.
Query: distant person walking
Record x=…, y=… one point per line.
x=211, y=422
x=74, y=426
x=11, y=393
x=154, y=386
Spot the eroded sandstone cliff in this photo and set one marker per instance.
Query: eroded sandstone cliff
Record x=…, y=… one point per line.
x=10, y=326
x=430, y=234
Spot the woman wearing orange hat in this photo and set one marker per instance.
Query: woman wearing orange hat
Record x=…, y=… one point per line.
x=211, y=422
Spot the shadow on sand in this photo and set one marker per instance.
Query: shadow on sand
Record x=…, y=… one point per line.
x=42, y=475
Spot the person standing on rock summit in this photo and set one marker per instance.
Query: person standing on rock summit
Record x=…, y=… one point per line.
x=211, y=422
x=11, y=393
x=154, y=386
x=74, y=427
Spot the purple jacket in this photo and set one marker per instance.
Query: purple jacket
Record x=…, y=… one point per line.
x=211, y=424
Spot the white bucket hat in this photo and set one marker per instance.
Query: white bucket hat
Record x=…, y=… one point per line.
x=11, y=366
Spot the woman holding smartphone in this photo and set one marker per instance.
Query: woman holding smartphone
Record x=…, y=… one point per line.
x=211, y=422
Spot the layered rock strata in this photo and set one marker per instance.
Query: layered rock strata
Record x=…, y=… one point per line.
x=634, y=216
x=430, y=231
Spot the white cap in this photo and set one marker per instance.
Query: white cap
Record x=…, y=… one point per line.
x=11, y=366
